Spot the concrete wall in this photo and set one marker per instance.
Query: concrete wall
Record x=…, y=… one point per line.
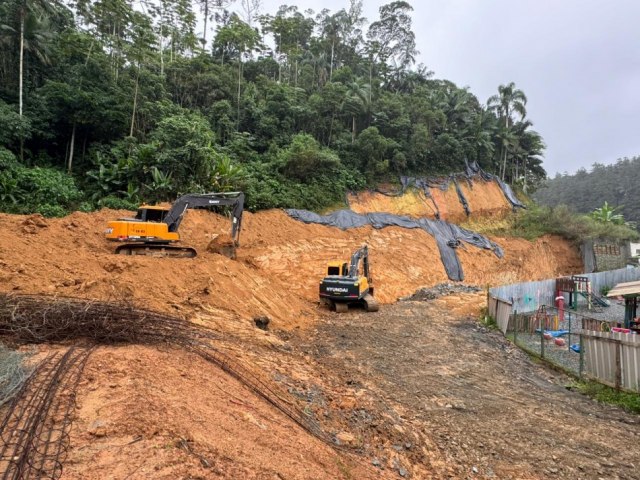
x=602, y=255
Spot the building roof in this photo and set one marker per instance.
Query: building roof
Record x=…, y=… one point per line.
x=628, y=288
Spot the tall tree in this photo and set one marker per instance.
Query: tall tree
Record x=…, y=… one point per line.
x=391, y=37
x=508, y=101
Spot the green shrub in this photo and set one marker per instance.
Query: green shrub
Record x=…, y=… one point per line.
x=537, y=221
x=604, y=394
x=47, y=210
x=48, y=191
x=117, y=203
x=86, y=207
x=7, y=159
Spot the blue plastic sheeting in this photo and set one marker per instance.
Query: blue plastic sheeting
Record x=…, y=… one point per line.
x=448, y=236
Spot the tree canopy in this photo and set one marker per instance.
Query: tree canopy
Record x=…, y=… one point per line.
x=127, y=101
x=615, y=186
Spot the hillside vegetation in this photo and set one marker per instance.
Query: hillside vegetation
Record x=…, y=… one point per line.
x=617, y=184
x=111, y=102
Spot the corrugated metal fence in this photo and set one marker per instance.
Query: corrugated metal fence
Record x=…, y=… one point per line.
x=610, y=358
x=527, y=297
x=613, y=358
x=500, y=310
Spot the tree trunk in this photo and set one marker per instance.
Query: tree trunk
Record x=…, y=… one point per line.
x=239, y=79
x=506, y=128
x=333, y=115
x=206, y=17
x=86, y=61
x=22, y=15
x=84, y=146
x=73, y=142
x=370, y=80
x=353, y=129
x=135, y=102
x=504, y=164
x=331, y=65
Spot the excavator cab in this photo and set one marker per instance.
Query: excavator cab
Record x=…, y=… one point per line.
x=150, y=213
x=337, y=268
x=349, y=284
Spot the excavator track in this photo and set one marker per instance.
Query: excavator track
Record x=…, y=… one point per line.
x=156, y=250
x=342, y=307
x=370, y=303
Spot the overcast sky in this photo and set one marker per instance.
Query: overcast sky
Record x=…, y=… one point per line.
x=578, y=62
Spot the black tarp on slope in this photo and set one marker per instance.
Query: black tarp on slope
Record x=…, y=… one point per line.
x=473, y=168
x=447, y=235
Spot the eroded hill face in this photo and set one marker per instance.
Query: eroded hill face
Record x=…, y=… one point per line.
x=484, y=199
x=280, y=262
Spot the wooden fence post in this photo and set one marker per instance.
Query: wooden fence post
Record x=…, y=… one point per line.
x=581, y=368
x=618, y=365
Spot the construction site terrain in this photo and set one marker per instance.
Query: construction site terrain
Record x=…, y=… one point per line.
x=416, y=390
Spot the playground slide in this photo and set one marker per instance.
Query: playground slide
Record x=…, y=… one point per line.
x=603, y=302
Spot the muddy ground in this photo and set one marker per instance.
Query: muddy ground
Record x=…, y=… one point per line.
x=456, y=400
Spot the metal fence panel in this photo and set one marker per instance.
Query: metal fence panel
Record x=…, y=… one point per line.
x=528, y=296
x=613, y=358
x=500, y=310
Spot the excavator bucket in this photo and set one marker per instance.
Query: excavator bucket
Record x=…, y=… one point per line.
x=223, y=245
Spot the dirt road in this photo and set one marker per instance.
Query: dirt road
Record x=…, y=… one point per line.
x=462, y=402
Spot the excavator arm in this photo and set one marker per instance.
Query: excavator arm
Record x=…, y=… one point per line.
x=362, y=254
x=194, y=200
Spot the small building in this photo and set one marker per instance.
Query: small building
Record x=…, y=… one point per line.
x=631, y=293
x=601, y=254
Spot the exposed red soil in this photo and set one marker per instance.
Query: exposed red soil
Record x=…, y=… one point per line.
x=145, y=413
x=485, y=198
x=279, y=263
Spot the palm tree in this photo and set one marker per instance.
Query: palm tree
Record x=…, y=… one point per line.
x=530, y=147
x=509, y=100
x=356, y=102
x=34, y=32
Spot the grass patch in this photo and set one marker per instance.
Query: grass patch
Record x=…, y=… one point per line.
x=537, y=221
x=602, y=393
x=487, y=320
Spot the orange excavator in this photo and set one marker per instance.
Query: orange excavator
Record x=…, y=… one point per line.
x=154, y=230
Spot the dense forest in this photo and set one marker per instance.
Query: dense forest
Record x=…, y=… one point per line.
x=616, y=184
x=113, y=102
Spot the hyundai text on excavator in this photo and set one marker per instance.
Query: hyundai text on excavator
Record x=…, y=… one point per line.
x=155, y=229
x=347, y=285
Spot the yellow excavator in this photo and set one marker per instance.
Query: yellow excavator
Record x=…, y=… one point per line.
x=348, y=284
x=154, y=230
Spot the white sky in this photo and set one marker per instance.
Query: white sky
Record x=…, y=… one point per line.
x=578, y=62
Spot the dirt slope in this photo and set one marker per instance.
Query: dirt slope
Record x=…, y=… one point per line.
x=466, y=402
x=279, y=264
x=146, y=413
x=485, y=198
